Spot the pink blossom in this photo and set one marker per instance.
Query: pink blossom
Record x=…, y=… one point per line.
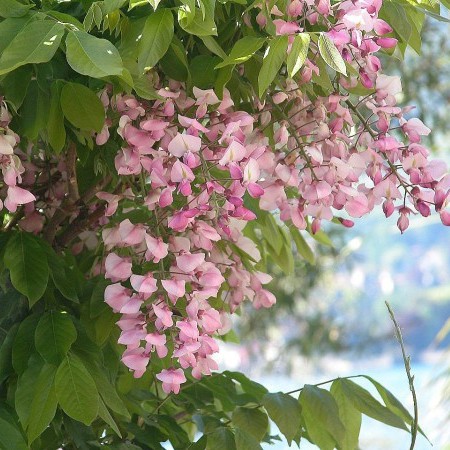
x=171, y=380
x=234, y=153
x=183, y=143
x=159, y=342
x=136, y=359
x=414, y=128
x=17, y=196
x=117, y=268
x=156, y=248
x=175, y=288
x=116, y=296
x=144, y=284
x=188, y=262
x=164, y=314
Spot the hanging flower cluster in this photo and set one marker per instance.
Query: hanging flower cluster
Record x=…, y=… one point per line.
x=194, y=163
x=197, y=159
x=11, y=166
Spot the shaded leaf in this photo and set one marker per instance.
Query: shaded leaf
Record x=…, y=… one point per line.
x=221, y=439
x=55, y=124
x=350, y=417
x=82, y=107
x=43, y=406
x=11, y=436
x=76, y=391
x=12, y=8
x=245, y=441
x=251, y=421
x=364, y=402
x=321, y=415
x=92, y=56
x=243, y=50
x=156, y=38
x=28, y=266
x=285, y=411
x=273, y=59
x=106, y=416
x=36, y=43
x=23, y=345
x=25, y=390
x=55, y=333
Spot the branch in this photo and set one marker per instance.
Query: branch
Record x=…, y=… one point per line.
x=69, y=201
x=374, y=136
x=83, y=221
x=407, y=362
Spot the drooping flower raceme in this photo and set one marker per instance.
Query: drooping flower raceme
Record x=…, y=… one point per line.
x=191, y=165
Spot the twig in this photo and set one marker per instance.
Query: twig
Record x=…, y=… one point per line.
x=407, y=362
x=67, y=205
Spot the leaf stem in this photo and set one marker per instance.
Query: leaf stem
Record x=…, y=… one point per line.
x=407, y=363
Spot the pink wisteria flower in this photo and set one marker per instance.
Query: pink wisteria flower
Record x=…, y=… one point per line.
x=171, y=379
x=200, y=169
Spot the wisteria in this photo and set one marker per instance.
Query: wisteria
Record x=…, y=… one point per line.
x=198, y=162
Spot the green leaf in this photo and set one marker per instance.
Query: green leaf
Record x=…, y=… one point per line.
x=174, y=63
x=393, y=403
x=25, y=390
x=331, y=55
x=9, y=29
x=202, y=71
x=285, y=411
x=28, y=266
x=15, y=86
x=106, y=390
x=321, y=237
x=302, y=246
x=23, y=345
x=62, y=276
x=350, y=417
x=154, y=3
x=33, y=112
x=323, y=79
x=274, y=58
x=82, y=107
x=363, y=401
x=298, y=54
x=55, y=124
x=156, y=38
x=92, y=56
x=199, y=445
x=243, y=50
x=221, y=439
x=395, y=15
x=251, y=420
x=106, y=416
x=109, y=6
x=12, y=8
x=196, y=22
x=245, y=441
x=76, y=391
x=248, y=386
x=321, y=415
x=223, y=77
x=11, y=436
x=43, y=406
x=212, y=45
x=54, y=336
x=36, y=43
x=5, y=353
